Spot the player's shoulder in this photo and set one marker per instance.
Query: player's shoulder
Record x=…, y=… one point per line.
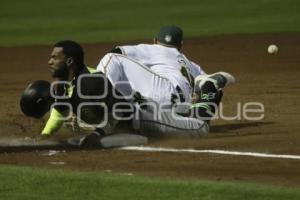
x=146, y=46
x=141, y=48
x=159, y=48
x=134, y=45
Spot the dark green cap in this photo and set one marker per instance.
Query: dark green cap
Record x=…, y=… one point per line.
x=170, y=36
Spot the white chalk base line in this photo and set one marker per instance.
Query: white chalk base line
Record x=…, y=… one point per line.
x=234, y=153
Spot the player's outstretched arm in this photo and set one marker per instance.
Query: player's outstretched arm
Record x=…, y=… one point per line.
x=54, y=122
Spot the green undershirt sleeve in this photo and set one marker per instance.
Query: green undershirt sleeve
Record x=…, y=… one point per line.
x=54, y=122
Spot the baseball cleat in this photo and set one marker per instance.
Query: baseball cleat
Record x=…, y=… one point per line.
x=219, y=79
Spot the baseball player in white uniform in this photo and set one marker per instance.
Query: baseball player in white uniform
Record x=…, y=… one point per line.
x=130, y=77
x=159, y=72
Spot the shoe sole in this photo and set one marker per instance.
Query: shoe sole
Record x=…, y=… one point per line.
x=230, y=79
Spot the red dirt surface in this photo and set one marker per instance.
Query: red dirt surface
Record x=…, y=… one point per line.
x=272, y=80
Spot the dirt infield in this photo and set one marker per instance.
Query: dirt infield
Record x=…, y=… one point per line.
x=272, y=80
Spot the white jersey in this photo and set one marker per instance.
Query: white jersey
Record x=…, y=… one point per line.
x=167, y=62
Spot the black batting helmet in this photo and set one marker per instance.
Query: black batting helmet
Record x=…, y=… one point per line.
x=36, y=100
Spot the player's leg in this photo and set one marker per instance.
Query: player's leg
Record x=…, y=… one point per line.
x=129, y=76
x=156, y=122
x=209, y=92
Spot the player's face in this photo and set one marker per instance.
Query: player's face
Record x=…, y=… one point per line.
x=58, y=64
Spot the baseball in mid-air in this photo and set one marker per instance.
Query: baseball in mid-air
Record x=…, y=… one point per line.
x=272, y=49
